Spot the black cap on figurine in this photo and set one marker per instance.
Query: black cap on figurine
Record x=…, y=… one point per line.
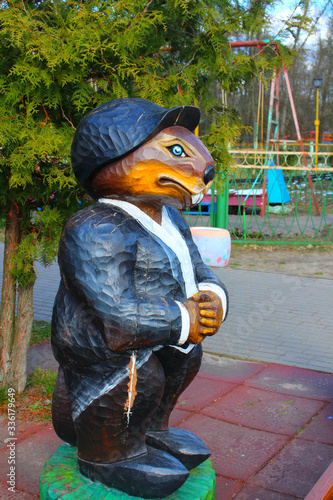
x=116, y=128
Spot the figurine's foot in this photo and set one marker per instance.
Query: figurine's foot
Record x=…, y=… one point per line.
x=155, y=474
x=183, y=445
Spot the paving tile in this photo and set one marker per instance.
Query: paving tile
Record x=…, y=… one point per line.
x=23, y=430
x=316, y=350
x=297, y=357
x=321, y=428
x=225, y=488
x=202, y=391
x=178, y=416
x=294, y=381
x=5, y=494
x=31, y=455
x=264, y=341
x=320, y=366
x=229, y=370
x=310, y=365
x=237, y=452
x=296, y=469
x=321, y=358
x=260, y=350
x=250, y=492
x=264, y=410
x=3, y=431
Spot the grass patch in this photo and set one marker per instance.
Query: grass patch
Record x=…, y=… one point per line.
x=2, y=229
x=43, y=379
x=41, y=330
x=34, y=404
x=3, y=395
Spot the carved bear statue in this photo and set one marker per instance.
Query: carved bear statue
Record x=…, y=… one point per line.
x=135, y=299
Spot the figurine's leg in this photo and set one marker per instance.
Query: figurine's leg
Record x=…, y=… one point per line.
x=113, y=426
x=61, y=411
x=111, y=435
x=180, y=369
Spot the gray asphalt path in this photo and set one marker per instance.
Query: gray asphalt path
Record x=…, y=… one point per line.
x=277, y=318
x=273, y=317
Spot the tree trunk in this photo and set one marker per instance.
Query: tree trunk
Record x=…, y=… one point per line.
x=19, y=354
x=15, y=330
x=8, y=296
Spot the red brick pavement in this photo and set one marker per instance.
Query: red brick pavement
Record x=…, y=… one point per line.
x=269, y=428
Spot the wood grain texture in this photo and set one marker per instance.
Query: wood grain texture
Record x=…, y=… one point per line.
x=323, y=489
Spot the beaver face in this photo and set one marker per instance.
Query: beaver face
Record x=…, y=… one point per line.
x=173, y=168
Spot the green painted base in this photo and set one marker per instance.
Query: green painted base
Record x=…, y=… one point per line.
x=61, y=479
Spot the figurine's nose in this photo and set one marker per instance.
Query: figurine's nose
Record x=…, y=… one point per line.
x=209, y=174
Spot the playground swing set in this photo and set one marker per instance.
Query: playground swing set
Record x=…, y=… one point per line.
x=273, y=189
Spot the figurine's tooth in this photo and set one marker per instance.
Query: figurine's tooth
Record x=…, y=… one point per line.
x=196, y=198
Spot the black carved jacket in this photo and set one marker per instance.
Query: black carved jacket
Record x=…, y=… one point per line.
x=119, y=288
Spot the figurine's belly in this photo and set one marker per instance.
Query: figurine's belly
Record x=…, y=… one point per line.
x=158, y=272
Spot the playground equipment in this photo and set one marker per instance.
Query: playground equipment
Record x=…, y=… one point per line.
x=272, y=135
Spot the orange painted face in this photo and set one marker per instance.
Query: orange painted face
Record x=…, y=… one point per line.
x=173, y=168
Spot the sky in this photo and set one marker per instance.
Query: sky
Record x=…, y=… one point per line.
x=284, y=9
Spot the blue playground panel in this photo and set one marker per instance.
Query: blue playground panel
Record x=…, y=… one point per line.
x=205, y=209
x=277, y=191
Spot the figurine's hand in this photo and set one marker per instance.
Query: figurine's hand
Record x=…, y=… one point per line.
x=206, y=313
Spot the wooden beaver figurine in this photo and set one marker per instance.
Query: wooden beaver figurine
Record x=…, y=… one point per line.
x=135, y=299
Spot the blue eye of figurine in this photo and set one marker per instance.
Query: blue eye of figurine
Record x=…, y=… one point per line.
x=177, y=150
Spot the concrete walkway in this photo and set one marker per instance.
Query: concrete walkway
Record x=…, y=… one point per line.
x=273, y=317
x=277, y=318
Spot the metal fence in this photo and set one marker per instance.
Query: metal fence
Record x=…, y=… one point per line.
x=263, y=203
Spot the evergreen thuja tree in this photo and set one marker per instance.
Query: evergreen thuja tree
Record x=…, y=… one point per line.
x=58, y=60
